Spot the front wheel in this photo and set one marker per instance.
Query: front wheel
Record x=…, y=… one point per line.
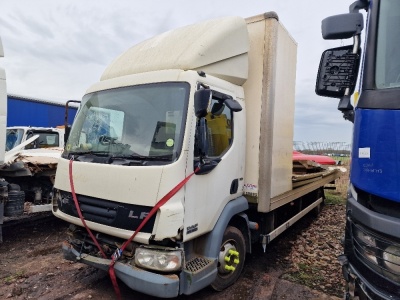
x=231, y=258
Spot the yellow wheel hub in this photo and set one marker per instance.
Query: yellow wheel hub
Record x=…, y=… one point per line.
x=228, y=258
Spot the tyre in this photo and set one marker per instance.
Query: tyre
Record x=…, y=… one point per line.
x=317, y=210
x=231, y=258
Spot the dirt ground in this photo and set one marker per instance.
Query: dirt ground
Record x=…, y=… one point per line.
x=32, y=266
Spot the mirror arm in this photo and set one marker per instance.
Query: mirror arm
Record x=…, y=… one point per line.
x=67, y=128
x=66, y=110
x=202, y=140
x=345, y=103
x=356, y=43
x=349, y=116
x=205, y=164
x=346, y=108
x=357, y=5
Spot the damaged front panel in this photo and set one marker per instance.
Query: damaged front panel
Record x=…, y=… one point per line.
x=34, y=171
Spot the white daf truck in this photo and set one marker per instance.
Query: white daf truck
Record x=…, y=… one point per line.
x=48, y=137
x=215, y=98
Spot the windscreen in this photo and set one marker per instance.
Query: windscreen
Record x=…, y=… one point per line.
x=143, y=122
x=46, y=139
x=13, y=138
x=388, y=45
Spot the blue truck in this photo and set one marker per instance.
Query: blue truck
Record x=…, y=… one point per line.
x=371, y=258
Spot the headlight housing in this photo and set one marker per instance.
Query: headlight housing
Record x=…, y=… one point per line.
x=159, y=259
x=391, y=259
x=379, y=252
x=366, y=244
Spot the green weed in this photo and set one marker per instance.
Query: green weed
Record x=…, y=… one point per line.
x=334, y=198
x=11, y=278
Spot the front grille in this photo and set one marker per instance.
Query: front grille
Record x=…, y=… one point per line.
x=106, y=212
x=377, y=251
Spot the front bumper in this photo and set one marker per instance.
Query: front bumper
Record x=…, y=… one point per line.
x=166, y=286
x=357, y=285
x=365, y=277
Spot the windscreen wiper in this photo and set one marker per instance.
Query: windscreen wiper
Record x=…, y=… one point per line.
x=127, y=160
x=76, y=154
x=142, y=157
x=107, y=158
x=160, y=157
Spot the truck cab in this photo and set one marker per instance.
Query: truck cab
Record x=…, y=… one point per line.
x=47, y=137
x=138, y=125
x=145, y=132
x=371, y=258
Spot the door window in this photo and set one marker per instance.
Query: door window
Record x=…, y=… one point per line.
x=220, y=128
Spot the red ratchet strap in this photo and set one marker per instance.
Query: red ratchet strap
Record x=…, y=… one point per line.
x=78, y=209
x=117, y=254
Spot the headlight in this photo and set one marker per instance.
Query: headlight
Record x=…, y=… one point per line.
x=163, y=260
x=56, y=197
x=366, y=239
x=391, y=259
x=367, y=244
x=381, y=254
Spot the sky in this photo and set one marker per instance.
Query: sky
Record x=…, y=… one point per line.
x=55, y=50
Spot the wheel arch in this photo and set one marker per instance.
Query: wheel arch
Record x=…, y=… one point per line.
x=241, y=222
x=209, y=244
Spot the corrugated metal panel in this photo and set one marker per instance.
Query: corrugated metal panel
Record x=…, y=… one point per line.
x=33, y=112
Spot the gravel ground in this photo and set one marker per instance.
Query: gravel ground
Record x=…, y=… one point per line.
x=312, y=260
x=32, y=266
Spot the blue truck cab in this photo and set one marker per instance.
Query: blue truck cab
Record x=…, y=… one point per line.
x=371, y=259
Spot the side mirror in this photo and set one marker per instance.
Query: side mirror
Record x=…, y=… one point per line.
x=208, y=166
x=338, y=70
x=201, y=143
x=201, y=102
x=342, y=26
x=233, y=105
